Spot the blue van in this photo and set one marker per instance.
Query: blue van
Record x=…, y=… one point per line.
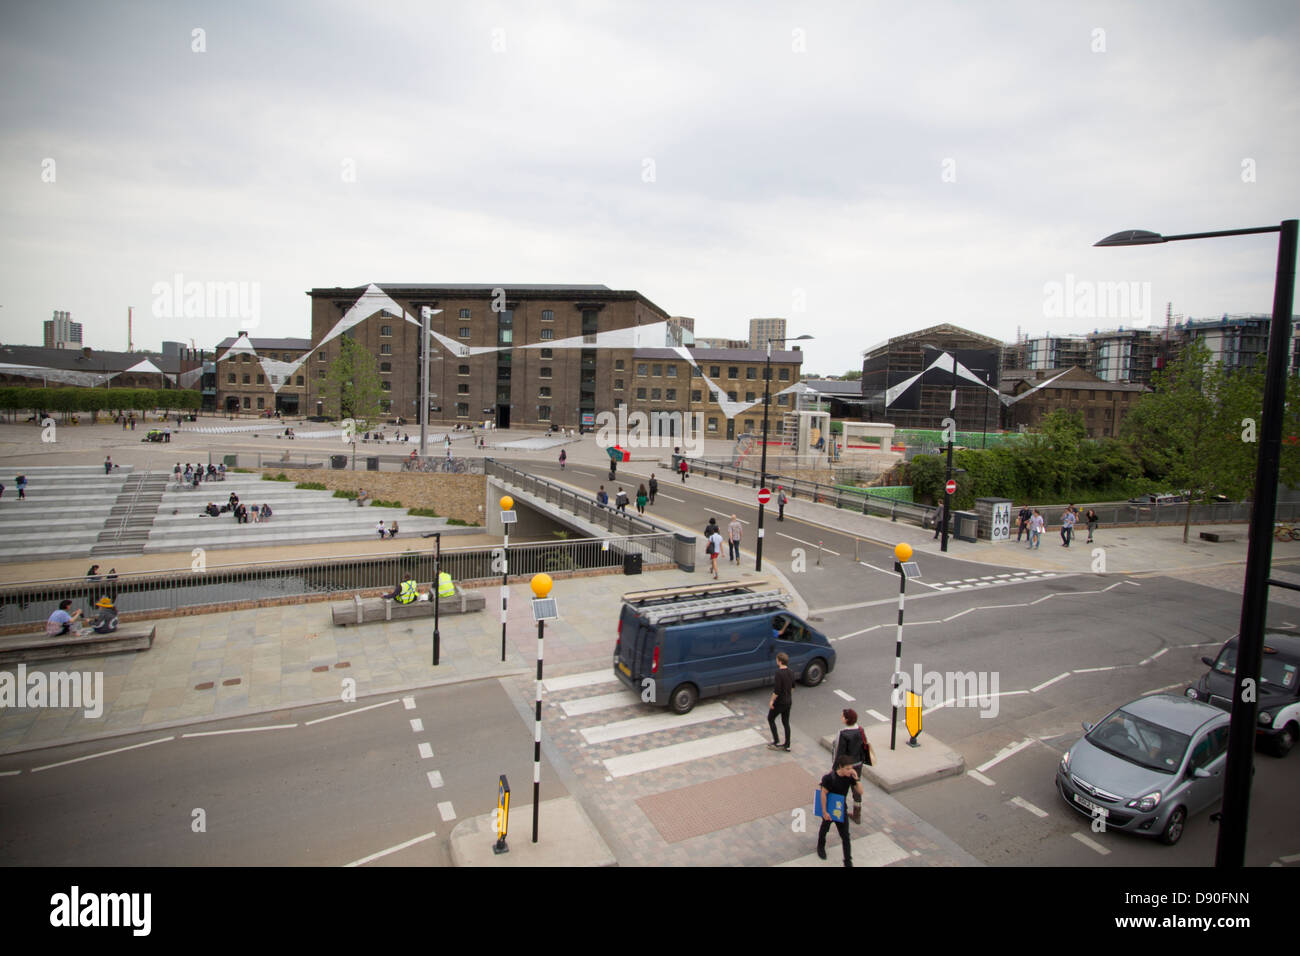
x=673, y=653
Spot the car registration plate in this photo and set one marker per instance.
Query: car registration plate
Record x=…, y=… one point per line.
x=625, y=669
x=1089, y=805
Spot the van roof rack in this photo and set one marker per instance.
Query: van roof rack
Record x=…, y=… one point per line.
x=713, y=607
x=693, y=592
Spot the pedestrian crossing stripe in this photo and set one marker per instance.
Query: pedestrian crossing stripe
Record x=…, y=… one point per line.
x=637, y=726
x=586, y=679
x=594, y=705
x=660, y=757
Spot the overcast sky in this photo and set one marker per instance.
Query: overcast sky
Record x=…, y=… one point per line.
x=863, y=169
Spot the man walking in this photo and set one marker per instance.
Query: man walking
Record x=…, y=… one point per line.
x=620, y=501
x=21, y=482
x=108, y=464
x=779, y=706
x=682, y=467
x=1067, y=526
x=839, y=782
x=940, y=517
x=781, y=499
x=654, y=487
x=602, y=498
x=733, y=540
x=1025, y=515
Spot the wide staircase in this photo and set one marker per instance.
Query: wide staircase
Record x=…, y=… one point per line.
x=65, y=513
x=131, y=516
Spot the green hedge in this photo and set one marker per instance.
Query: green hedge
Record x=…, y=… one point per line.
x=69, y=399
x=311, y=486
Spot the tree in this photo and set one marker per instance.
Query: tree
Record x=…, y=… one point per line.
x=853, y=376
x=352, y=387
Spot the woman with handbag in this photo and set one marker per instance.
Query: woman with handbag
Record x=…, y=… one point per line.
x=852, y=742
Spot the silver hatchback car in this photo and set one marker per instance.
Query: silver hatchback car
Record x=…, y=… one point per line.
x=1148, y=766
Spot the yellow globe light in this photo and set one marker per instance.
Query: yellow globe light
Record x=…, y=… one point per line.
x=541, y=585
x=507, y=502
x=903, y=551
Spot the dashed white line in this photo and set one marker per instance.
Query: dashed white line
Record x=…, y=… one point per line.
x=348, y=713
x=976, y=775
x=447, y=811
x=1092, y=844
x=392, y=849
x=64, y=763
x=1153, y=656
x=878, y=715
x=841, y=693
x=9, y=773
x=426, y=751
x=417, y=725
x=1157, y=690
x=811, y=544
x=1004, y=753
x=408, y=703
x=865, y=630
x=1093, y=670
x=435, y=779
x=1026, y=805
x=1035, y=690
x=1293, y=858
x=959, y=614
x=239, y=730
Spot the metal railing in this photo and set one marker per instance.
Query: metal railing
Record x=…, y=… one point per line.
x=32, y=603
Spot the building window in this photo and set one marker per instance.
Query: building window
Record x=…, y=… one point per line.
x=275, y=380
x=731, y=397
x=671, y=394
x=655, y=394
x=713, y=425
x=642, y=369
x=321, y=356
x=749, y=425
x=462, y=369
x=300, y=380
x=548, y=316
x=733, y=371
x=750, y=397
x=464, y=331
x=548, y=353
x=657, y=371
x=462, y=389
x=783, y=374
x=714, y=372
x=618, y=385
x=230, y=379
x=385, y=350
x=385, y=366
x=543, y=413
x=640, y=394
x=386, y=331
x=386, y=404
x=245, y=378
x=782, y=399
x=697, y=395
x=544, y=392
x=505, y=336
x=548, y=333
x=246, y=401
x=751, y=373
x=544, y=372
x=464, y=313
x=462, y=410
x=618, y=365
x=672, y=371
x=243, y=357
x=320, y=373
x=386, y=386
x=261, y=380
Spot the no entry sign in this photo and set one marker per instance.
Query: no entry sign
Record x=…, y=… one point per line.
x=951, y=487
x=764, y=496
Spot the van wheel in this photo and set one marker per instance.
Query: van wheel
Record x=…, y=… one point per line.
x=684, y=698
x=1283, y=742
x=1174, y=828
x=814, y=673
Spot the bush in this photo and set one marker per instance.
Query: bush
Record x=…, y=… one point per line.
x=350, y=495
x=386, y=504
x=462, y=524
x=280, y=477
x=312, y=486
x=423, y=513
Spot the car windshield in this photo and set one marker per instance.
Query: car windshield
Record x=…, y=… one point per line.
x=1276, y=670
x=1140, y=741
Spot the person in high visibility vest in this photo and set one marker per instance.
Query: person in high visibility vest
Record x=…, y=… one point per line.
x=405, y=593
x=445, y=588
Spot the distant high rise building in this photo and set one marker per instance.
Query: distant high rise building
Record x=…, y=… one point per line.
x=760, y=330
x=681, y=331
x=61, y=332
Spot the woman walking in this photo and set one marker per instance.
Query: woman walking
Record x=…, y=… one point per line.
x=1091, y=519
x=715, y=546
x=563, y=458
x=642, y=496
x=1036, y=527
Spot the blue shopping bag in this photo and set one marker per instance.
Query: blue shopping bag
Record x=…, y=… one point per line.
x=834, y=803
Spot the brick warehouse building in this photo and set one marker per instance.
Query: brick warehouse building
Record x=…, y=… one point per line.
x=900, y=387
x=248, y=378
x=516, y=385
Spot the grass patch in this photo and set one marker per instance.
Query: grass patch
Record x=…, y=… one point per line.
x=462, y=524
x=241, y=471
x=423, y=513
x=310, y=486
x=386, y=504
x=280, y=477
x=350, y=495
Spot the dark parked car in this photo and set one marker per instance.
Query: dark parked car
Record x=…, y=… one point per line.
x=1279, y=689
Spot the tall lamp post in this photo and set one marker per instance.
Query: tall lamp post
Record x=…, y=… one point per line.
x=1231, y=850
x=762, y=468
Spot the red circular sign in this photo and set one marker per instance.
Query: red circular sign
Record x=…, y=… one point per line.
x=951, y=487
x=764, y=496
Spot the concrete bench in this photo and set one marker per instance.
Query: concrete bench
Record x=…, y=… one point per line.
x=369, y=610
x=31, y=648
x=1217, y=536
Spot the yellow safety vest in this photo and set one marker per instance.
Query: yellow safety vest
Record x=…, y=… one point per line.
x=445, y=587
x=409, y=593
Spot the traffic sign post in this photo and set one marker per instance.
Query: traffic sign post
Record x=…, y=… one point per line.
x=764, y=495
x=950, y=487
x=906, y=568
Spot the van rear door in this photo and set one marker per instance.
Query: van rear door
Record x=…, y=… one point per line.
x=634, y=658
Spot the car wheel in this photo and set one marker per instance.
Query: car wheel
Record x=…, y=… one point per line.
x=1174, y=828
x=814, y=673
x=1284, y=741
x=684, y=698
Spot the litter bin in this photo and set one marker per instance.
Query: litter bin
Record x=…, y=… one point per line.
x=372, y=463
x=966, y=525
x=338, y=461
x=632, y=563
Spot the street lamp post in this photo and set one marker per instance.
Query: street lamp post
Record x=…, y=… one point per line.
x=762, y=468
x=1231, y=851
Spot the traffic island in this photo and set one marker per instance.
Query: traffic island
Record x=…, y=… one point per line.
x=567, y=838
x=905, y=766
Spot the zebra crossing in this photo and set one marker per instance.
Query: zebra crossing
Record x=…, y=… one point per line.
x=615, y=731
x=988, y=580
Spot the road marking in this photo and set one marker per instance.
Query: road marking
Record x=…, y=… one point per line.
x=585, y=679
x=392, y=849
x=1093, y=844
x=1045, y=597
x=1025, y=804
x=976, y=775
x=841, y=693
x=9, y=773
x=1093, y=670
x=660, y=494
x=447, y=811
x=1153, y=656
x=1035, y=690
x=417, y=725
x=959, y=614
x=435, y=779
x=992, y=577
x=239, y=730
x=1293, y=858
x=649, y=725
x=426, y=751
x=713, y=511
x=1004, y=753
x=682, y=753
x=64, y=763
x=593, y=705
x=865, y=630
x=811, y=544
x=408, y=703
x=878, y=715
x=1166, y=687
x=970, y=579
x=348, y=713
